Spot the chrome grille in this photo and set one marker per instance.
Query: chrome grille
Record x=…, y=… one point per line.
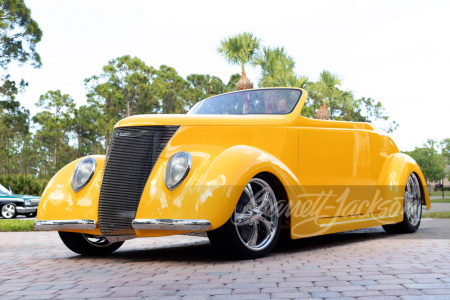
x=132, y=153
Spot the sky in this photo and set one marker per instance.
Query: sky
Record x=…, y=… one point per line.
x=396, y=52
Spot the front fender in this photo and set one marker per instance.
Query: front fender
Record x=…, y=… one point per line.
x=60, y=202
x=213, y=187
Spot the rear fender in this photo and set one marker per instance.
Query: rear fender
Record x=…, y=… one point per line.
x=394, y=176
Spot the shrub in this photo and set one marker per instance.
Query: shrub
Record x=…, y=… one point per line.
x=438, y=189
x=24, y=184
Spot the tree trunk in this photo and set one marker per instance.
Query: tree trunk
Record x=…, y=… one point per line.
x=106, y=143
x=7, y=156
x=20, y=162
x=128, y=108
x=55, y=152
x=79, y=146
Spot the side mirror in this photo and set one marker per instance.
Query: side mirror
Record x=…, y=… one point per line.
x=10, y=189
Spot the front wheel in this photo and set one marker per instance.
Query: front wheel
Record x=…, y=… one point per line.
x=87, y=244
x=253, y=229
x=412, y=208
x=9, y=211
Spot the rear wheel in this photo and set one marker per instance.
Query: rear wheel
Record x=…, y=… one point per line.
x=412, y=208
x=254, y=228
x=9, y=211
x=87, y=244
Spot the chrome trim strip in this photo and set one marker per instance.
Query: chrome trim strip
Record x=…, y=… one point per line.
x=171, y=224
x=26, y=209
x=65, y=224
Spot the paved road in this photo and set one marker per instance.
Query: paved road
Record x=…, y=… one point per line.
x=440, y=197
x=435, y=207
x=364, y=264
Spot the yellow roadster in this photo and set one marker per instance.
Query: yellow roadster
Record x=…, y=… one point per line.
x=240, y=166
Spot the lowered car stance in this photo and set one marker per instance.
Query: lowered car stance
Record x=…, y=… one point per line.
x=239, y=166
x=12, y=205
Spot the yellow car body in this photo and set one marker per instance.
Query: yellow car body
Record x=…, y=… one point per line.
x=335, y=175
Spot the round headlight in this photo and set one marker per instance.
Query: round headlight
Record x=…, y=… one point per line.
x=83, y=173
x=177, y=169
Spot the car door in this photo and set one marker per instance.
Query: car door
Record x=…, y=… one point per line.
x=335, y=167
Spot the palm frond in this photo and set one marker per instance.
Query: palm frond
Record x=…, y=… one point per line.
x=239, y=49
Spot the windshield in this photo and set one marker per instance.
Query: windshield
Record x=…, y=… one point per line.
x=270, y=101
x=4, y=191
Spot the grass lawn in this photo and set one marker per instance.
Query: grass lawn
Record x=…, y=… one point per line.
x=16, y=225
x=446, y=200
x=438, y=193
x=439, y=214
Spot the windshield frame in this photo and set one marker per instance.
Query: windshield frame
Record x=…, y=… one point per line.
x=4, y=191
x=251, y=90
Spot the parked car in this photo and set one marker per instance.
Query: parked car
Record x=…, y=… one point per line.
x=12, y=205
x=239, y=166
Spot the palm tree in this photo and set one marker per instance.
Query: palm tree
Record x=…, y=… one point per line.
x=325, y=89
x=298, y=81
x=346, y=107
x=327, y=85
x=277, y=68
x=239, y=50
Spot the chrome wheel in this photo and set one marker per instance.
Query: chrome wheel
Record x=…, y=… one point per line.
x=412, y=208
x=9, y=211
x=413, y=201
x=256, y=215
x=96, y=240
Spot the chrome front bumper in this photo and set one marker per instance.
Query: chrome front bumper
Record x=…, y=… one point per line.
x=171, y=224
x=65, y=224
x=138, y=224
x=26, y=209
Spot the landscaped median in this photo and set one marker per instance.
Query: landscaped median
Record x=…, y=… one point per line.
x=438, y=214
x=446, y=200
x=16, y=225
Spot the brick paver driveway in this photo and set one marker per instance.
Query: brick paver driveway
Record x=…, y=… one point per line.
x=365, y=263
